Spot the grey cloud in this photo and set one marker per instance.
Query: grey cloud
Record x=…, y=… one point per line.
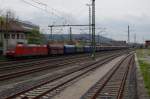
x=115, y=15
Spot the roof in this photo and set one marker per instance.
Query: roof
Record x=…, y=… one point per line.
x=16, y=26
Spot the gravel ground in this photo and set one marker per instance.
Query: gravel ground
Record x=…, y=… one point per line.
x=76, y=90
x=33, y=75
x=9, y=89
x=53, y=71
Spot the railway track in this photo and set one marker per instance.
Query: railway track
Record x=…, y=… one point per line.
x=112, y=85
x=48, y=88
x=17, y=61
x=32, y=60
x=11, y=64
x=8, y=64
x=26, y=63
x=40, y=66
x=130, y=90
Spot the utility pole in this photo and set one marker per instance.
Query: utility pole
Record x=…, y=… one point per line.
x=89, y=5
x=51, y=33
x=51, y=28
x=99, y=41
x=99, y=38
x=7, y=17
x=1, y=24
x=70, y=34
x=128, y=34
x=143, y=39
x=75, y=25
x=135, y=40
x=93, y=29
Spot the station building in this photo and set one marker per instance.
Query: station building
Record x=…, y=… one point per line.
x=13, y=33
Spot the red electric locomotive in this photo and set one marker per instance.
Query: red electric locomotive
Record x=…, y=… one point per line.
x=28, y=50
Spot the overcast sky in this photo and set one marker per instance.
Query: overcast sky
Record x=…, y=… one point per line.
x=114, y=15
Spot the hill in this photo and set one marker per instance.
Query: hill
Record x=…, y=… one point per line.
x=82, y=37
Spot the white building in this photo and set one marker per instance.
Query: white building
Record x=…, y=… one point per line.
x=14, y=33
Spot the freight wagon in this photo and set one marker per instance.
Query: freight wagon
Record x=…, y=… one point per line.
x=55, y=49
x=69, y=49
x=87, y=49
x=79, y=49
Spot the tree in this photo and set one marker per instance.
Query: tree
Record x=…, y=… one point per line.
x=2, y=23
x=35, y=37
x=10, y=14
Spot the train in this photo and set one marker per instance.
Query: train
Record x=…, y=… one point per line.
x=22, y=50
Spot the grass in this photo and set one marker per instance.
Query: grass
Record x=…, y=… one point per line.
x=145, y=69
x=144, y=66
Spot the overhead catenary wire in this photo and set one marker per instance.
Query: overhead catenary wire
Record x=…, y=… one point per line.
x=32, y=4
x=36, y=1
x=46, y=10
x=61, y=13
x=53, y=12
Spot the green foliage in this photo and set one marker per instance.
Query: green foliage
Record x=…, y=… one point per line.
x=145, y=69
x=35, y=37
x=142, y=55
x=2, y=19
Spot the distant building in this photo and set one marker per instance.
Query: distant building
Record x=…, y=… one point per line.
x=147, y=44
x=14, y=32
